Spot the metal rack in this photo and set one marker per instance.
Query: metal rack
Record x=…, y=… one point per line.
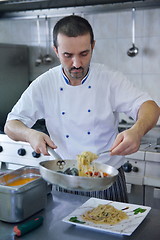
x=32, y=8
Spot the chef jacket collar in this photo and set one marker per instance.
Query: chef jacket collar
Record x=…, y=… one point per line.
x=67, y=80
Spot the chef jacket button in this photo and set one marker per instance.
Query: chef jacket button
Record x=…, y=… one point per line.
x=67, y=136
x=89, y=86
x=88, y=132
x=63, y=113
x=61, y=89
x=89, y=110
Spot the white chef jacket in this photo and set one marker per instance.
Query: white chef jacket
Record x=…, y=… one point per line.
x=84, y=117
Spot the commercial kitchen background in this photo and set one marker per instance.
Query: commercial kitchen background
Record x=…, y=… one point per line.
x=113, y=34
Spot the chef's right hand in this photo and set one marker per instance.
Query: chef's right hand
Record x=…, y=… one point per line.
x=39, y=141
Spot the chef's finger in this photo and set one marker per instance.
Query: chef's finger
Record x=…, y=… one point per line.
x=116, y=143
x=46, y=142
x=124, y=148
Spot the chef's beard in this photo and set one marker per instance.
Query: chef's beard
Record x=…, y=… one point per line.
x=77, y=75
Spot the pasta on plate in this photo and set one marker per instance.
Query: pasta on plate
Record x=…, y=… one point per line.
x=105, y=214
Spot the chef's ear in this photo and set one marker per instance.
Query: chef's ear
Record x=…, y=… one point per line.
x=55, y=50
x=93, y=44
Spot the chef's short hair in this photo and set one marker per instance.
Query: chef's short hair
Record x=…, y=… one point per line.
x=72, y=26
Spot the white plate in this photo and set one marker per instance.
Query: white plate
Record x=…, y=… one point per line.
x=125, y=227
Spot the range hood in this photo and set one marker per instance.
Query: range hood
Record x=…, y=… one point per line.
x=25, y=5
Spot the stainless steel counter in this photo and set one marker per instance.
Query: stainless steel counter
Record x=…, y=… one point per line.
x=60, y=205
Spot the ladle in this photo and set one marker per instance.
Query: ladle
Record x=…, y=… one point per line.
x=39, y=60
x=133, y=51
x=47, y=58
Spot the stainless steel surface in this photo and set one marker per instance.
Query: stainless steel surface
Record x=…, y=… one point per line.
x=60, y=205
x=20, y=202
x=49, y=171
x=14, y=69
x=142, y=173
x=92, y=5
x=133, y=51
x=152, y=177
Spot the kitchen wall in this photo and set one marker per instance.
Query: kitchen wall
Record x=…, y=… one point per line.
x=113, y=39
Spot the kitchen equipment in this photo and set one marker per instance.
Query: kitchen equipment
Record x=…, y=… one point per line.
x=152, y=177
x=39, y=60
x=15, y=154
x=57, y=156
x=134, y=168
x=14, y=77
x=53, y=153
x=107, y=151
x=133, y=51
x=20, y=202
x=47, y=58
x=28, y=226
x=49, y=171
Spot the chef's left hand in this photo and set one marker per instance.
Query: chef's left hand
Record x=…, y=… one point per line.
x=126, y=142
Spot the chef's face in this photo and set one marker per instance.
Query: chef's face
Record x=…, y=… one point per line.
x=75, y=55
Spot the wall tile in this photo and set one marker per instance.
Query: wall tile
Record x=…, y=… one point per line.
x=20, y=31
x=105, y=52
x=5, y=31
x=105, y=25
x=125, y=24
x=151, y=55
x=113, y=38
x=151, y=84
x=152, y=23
x=126, y=64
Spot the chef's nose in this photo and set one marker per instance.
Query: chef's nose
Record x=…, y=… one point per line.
x=76, y=62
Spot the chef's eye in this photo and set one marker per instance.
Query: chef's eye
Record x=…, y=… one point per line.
x=85, y=53
x=67, y=55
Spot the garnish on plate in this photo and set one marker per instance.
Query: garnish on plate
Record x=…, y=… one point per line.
x=75, y=219
x=139, y=210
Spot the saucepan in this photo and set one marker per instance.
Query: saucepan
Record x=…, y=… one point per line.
x=53, y=172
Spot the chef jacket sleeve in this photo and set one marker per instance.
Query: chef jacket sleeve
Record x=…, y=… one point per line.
x=29, y=108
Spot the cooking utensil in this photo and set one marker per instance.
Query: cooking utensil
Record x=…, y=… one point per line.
x=133, y=51
x=107, y=151
x=23, y=228
x=51, y=171
x=39, y=60
x=47, y=58
x=28, y=226
x=19, y=202
x=57, y=156
x=53, y=153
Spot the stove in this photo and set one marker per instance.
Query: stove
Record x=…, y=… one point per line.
x=152, y=177
x=142, y=171
x=14, y=154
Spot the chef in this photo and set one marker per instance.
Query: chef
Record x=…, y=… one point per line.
x=80, y=102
